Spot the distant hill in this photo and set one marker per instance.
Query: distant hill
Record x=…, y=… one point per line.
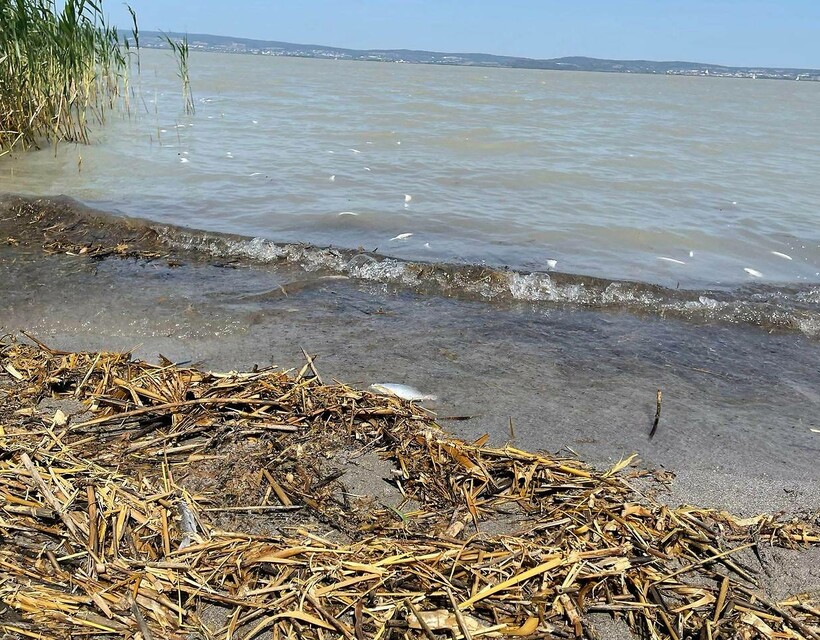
x=228, y=44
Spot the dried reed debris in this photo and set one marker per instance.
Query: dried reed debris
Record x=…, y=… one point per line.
x=179, y=490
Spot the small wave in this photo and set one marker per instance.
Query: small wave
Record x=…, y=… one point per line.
x=767, y=306
x=785, y=307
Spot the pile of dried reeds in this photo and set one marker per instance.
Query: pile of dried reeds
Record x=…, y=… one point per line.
x=111, y=521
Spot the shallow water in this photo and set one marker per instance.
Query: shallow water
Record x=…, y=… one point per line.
x=678, y=181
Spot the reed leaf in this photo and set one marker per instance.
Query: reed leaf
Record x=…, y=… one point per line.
x=61, y=68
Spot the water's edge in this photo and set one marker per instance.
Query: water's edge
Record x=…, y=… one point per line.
x=781, y=307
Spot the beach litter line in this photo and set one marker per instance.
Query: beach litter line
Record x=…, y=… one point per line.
x=159, y=493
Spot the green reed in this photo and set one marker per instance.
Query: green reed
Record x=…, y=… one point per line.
x=180, y=50
x=60, y=69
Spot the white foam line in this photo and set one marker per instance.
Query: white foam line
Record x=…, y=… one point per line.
x=670, y=260
x=781, y=255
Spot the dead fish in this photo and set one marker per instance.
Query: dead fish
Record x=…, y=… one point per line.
x=672, y=260
x=781, y=255
x=753, y=272
x=402, y=391
x=401, y=236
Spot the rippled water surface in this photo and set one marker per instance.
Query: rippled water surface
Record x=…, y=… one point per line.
x=691, y=181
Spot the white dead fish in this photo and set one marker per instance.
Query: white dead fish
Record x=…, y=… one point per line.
x=551, y=264
x=348, y=213
x=670, y=260
x=401, y=236
x=407, y=198
x=781, y=255
x=354, y=150
x=691, y=254
x=753, y=272
x=184, y=160
x=255, y=121
x=403, y=391
x=367, y=169
x=332, y=178
x=254, y=174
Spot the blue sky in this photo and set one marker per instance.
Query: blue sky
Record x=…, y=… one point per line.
x=734, y=32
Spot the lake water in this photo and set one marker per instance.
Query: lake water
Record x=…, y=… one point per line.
x=706, y=185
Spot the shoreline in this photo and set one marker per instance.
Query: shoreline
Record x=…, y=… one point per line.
x=63, y=225
x=732, y=436
x=739, y=404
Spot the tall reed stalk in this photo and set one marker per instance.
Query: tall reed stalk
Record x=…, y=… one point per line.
x=60, y=68
x=180, y=51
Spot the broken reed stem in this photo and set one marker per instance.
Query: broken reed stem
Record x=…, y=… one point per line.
x=657, y=416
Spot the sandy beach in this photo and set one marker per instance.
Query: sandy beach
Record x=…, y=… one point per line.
x=738, y=425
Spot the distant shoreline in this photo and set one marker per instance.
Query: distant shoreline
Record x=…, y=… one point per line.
x=227, y=44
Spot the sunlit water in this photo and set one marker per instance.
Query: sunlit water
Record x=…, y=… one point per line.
x=694, y=182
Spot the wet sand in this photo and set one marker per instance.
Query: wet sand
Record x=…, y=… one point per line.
x=739, y=404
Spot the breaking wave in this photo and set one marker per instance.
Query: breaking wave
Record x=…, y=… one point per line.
x=782, y=307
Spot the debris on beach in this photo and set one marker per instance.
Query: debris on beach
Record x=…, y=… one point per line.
x=166, y=502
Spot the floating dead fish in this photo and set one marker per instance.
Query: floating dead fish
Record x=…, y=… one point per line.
x=407, y=198
x=551, y=264
x=403, y=391
x=781, y=255
x=691, y=254
x=348, y=213
x=673, y=260
x=401, y=236
x=184, y=160
x=753, y=272
x=332, y=178
x=354, y=150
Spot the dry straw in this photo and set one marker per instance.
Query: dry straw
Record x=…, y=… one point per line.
x=180, y=493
